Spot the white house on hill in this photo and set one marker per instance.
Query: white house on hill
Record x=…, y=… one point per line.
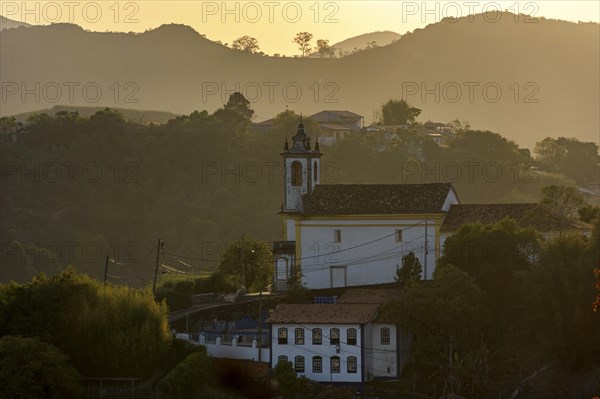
x=351, y=235
x=347, y=343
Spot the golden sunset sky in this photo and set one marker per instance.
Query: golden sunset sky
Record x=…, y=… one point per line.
x=274, y=23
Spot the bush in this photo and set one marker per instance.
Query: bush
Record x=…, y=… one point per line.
x=194, y=378
x=30, y=369
x=105, y=330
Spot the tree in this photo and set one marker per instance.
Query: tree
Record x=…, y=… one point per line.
x=32, y=369
x=396, y=112
x=438, y=314
x=236, y=115
x=195, y=377
x=575, y=159
x=290, y=385
x=303, y=39
x=492, y=255
x=92, y=323
x=562, y=202
x=246, y=43
x=8, y=124
x=410, y=272
x=324, y=49
x=559, y=290
x=249, y=263
x=588, y=213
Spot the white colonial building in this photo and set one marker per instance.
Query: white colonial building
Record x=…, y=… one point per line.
x=355, y=234
x=347, y=343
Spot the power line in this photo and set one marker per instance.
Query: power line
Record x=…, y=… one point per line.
x=367, y=243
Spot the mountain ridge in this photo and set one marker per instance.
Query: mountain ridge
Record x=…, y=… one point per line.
x=196, y=73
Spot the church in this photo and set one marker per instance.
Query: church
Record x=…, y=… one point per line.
x=342, y=235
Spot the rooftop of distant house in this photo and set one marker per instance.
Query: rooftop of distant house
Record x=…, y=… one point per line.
x=526, y=214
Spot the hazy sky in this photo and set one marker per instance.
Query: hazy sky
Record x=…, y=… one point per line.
x=274, y=23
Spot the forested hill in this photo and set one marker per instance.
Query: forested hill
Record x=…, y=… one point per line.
x=526, y=79
x=76, y=189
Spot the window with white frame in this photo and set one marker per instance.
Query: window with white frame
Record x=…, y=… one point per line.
x=351, y=336
x=282, y=336
x=352, y=364
x=334, y=336
x=317, y=366
x=385, y=336
x=299, y=334
x=317, y=336
x=299, y=364
x=335, y=364
x=282, y=359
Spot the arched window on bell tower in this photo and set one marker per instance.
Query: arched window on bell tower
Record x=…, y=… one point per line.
x=296, y=173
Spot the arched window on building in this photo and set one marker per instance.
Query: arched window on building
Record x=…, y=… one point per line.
x=315, y=172
x=352, y=364
x=317, y=336
x=296, y=173
x=299, y=364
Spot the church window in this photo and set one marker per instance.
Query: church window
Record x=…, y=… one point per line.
x=296, y=173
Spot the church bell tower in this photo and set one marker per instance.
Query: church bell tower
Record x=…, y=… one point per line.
x=302, y=170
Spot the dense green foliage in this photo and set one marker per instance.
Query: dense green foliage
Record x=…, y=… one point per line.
x=77, y=189
x=194, y=378
x=32, y=369
x=447, y=310
x=105, y=330
x=410, y=271
x=290, y=385
x=249, y=263
x=398, y=112
x=503, y=301
x=492, y=255
x=575, y=159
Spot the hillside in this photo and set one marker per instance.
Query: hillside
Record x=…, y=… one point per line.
x=140, y=116
x=361, y=41
x=7, y=23
x=174, y=68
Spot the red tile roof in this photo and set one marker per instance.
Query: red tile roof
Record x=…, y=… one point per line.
x=376, y=199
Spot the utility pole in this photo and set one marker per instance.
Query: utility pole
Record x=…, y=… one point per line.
x=414, y=381
x=243, y=259
x=451, y=370
x=158, y=248
x=260, y=325
x=106, y=268
x=426, y=252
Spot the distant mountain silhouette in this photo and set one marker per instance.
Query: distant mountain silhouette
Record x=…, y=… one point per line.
x=141, y=116
x=547, y=72
x=7, y=23
x=361, y=41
